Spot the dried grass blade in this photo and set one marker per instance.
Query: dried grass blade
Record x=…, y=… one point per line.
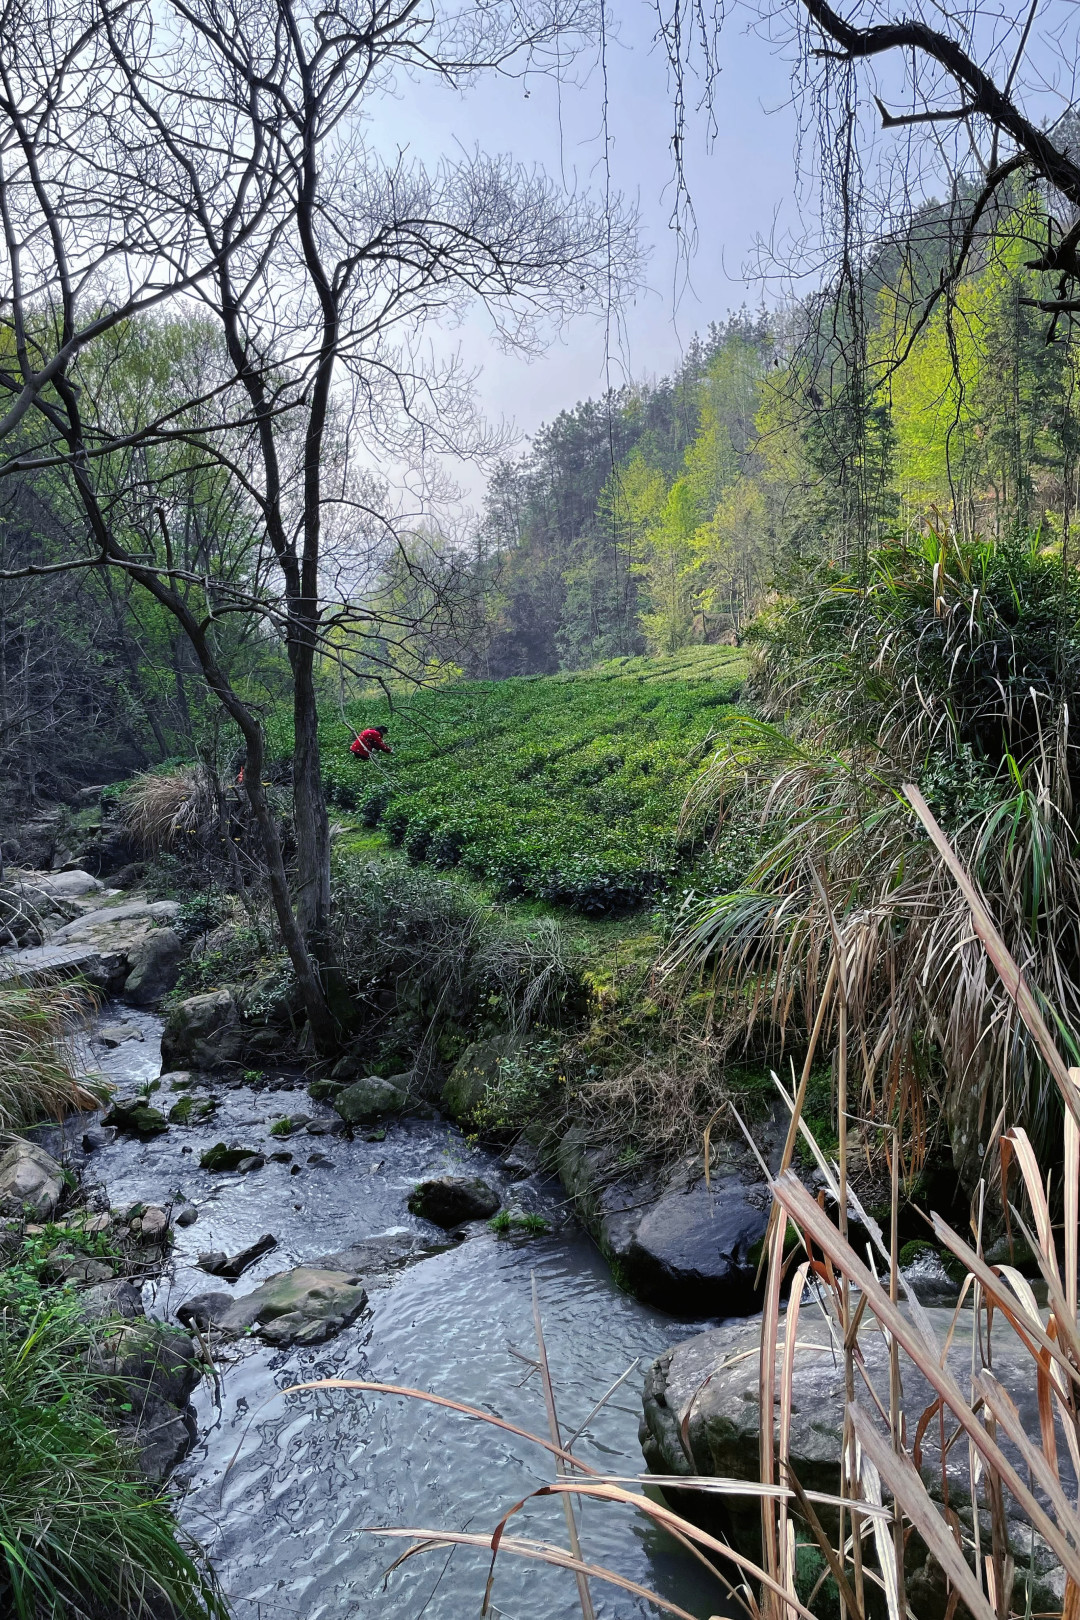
x=1072, y=1199
x=1031, y=1333
x=671, y=1521
x=369, y=1387
x=770, y=1332
x=870, y=1481
x=540, y=1551
x=806, y=1213
x=1003, y=1407
x=902, y=1478
x=1024, y=1154
x=825, y=1545
x=587, y=1610
x=787, y=1379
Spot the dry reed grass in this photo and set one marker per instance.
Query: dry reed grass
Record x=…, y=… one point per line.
x=164, y=809
x=38, y=1063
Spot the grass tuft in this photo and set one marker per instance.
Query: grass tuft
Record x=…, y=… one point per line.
x=38, y=1066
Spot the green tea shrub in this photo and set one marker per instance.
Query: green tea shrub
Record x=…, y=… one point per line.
x=566, y=789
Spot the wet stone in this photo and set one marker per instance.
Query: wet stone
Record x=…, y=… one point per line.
x=219, y=1264
x=134, y=1116
x=452, y=1200
x=113, y=1035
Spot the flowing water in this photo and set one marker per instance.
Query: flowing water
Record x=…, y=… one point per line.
x=285, y=1491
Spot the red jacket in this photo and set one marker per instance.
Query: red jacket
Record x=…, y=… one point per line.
x=366, y=744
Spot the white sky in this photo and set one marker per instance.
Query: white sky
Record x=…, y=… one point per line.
x=743, y=190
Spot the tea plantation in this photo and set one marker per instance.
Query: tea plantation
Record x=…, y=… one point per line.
x=564, y=788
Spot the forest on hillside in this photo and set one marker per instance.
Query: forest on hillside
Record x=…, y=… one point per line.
x=655, y=518
x=665, y=513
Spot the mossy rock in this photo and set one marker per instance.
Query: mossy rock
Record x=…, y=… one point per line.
x=914, y=1250
x=325, y=1090
x=136, y=1119
x=222, y=1157
x=474, y=1076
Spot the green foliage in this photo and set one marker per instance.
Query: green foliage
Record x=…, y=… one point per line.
x=525, y=1083
x=508, y=1221
x=80, y=1531
x=565, y=790
x=441, y=958
x=38, y=1248
x=232, y=960
x=949, y=664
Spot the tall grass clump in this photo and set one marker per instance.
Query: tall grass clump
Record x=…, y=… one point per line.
x=164, y=809
x=82, y=1535
x=38, y=1067
x=951, y=666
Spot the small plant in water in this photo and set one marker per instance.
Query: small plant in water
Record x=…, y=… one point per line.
x=507, y=1221
x=253, y=1077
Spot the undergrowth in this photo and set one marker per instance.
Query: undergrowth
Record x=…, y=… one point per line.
x=82, y=1535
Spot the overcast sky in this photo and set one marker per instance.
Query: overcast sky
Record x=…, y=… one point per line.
x=743, y=190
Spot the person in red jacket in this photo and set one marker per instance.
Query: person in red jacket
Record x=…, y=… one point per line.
x=369, y=741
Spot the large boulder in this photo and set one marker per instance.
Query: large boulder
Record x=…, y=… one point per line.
x=302, y=1306
x=31, y=1181
x=203, y=1032
x=369, y=1099
x=156, y=1368
x=702, y=1412
x=688, y=1248
x=61, y=885
x=155, y=967
x=453, y=1200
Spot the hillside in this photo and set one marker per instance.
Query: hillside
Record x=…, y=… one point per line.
x=564, y=788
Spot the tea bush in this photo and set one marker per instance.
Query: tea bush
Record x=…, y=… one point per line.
x=564, y=788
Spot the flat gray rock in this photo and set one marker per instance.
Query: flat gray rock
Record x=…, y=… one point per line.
x=369, y=1256
x=707, y=1387
x=302, y=1306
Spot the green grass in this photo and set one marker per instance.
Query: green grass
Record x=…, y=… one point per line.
x=506, y=1222
x=565, y=789
x=80, y=1531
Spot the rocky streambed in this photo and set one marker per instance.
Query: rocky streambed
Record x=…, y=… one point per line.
x=285, y=1491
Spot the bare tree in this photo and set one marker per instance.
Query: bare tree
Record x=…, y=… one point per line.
x=221, y=159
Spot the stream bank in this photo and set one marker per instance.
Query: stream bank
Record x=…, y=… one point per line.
x=282, y=1490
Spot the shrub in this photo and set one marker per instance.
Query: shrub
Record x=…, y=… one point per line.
x=423, y=943
x=565, y=788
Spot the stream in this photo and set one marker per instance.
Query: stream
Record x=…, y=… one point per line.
x=283, y=1491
